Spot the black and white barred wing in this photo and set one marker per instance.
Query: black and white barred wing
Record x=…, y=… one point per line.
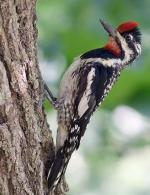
x=92, y=89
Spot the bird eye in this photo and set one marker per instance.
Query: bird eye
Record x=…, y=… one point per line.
x=129, y=38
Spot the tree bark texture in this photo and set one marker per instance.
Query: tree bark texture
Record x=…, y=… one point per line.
x=26, y=145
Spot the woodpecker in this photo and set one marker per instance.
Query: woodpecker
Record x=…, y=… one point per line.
x=84, y=86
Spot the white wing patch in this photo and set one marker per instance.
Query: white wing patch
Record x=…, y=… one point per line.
x=83, y=105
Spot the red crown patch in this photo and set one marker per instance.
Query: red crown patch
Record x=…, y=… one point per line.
x=127, y=26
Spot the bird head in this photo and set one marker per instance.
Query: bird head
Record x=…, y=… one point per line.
x=124, y=41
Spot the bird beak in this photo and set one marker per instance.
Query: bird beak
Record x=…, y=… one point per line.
x=108, y=28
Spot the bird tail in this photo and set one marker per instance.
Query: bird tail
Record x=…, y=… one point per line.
x=63, y=155
x=58, y=169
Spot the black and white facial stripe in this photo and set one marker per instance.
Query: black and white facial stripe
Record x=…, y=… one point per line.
x=130, y=43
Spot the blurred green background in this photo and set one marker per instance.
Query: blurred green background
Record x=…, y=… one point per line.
x=114, y=156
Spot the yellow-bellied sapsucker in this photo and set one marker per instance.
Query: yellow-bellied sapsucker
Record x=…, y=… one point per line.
x=84, y=86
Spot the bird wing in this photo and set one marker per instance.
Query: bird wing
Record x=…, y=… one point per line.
x=93, y=87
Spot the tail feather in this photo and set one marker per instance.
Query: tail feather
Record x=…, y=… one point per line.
x=58, y=169
x=62, y=158
x=55, y=170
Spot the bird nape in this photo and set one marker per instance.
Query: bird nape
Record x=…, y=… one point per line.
x=84, y=86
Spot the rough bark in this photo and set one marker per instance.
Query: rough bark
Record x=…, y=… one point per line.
x=25, y=141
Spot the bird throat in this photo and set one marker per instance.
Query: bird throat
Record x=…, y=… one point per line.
x=113, y=47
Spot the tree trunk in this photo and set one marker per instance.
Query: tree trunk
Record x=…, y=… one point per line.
x=26, y=145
